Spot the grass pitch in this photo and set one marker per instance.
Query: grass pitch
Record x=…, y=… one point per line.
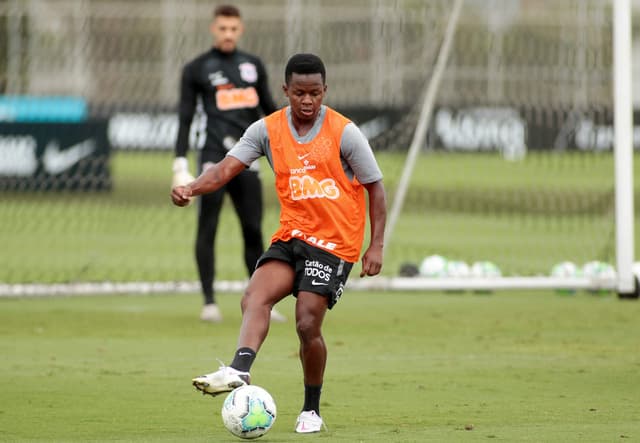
x=526, y=366
x=524, y=216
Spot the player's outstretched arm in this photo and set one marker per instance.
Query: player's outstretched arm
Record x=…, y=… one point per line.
x=372, y=258
x=210, y=180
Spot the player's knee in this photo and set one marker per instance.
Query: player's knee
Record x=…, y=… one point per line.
x=252, y=299
x=307, y=328
x=245, y=301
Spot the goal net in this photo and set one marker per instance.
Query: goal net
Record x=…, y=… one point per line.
x=513, y=170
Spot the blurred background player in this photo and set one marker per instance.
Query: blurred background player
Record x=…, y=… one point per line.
x=231, y=87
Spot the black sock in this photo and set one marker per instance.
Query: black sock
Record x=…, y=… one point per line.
x=243, y=359
x=208, y=299
x=312, y=398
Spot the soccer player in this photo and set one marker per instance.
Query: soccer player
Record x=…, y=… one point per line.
x=233, y=91
x=322, y=164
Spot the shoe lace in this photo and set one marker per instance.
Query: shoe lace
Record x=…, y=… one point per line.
x=325, y=426
x=243, y=375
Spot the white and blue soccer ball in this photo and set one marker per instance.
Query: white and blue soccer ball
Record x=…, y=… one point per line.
x=598, y=270
x=565, y=269
x=249, y=412
x=433, y=266
x=485, y=269
x=458, y=269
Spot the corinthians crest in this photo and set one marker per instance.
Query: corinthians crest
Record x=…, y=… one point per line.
x=248, y=72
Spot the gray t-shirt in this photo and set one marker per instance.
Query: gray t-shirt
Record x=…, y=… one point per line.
x=355, y=152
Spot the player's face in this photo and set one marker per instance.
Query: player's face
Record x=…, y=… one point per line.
x=305, y=93
x=226, y=32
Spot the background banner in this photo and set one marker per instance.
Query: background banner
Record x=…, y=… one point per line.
x=54, y=156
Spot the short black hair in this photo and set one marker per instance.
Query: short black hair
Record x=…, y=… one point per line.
x=304, y=64
x=226, y=11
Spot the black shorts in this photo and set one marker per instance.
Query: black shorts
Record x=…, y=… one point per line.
x=316, y=270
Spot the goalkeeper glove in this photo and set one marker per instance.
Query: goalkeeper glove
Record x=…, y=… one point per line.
x=181, y=175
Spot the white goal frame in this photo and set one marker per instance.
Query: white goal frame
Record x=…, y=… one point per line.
x=627, y=284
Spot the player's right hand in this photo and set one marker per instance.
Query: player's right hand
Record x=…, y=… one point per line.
x=181, y=195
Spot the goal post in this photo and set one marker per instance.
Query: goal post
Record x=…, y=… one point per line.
x=627, y=284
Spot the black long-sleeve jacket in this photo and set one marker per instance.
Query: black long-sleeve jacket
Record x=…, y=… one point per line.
x=234, y=91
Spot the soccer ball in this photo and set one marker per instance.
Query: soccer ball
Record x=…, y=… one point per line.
x=408, y=270
x=458, y=268
x=433, y=266
x=485, y=269
x=566, y=269
x=599, y=271
x=248, y=412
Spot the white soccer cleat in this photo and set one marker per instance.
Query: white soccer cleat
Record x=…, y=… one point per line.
x=225, y=379
x=308, y=422
x=277, y=317
x=211, y=313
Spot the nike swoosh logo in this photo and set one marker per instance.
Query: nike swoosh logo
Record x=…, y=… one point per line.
x=244, y=353
x=56, y=161
x=318, y=283
x=302, y=157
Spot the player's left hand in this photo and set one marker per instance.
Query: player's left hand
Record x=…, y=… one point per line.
x=371, y=261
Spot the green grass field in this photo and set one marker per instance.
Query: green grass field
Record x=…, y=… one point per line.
x=403, y=367
x=524, y=216
x=526, y=366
